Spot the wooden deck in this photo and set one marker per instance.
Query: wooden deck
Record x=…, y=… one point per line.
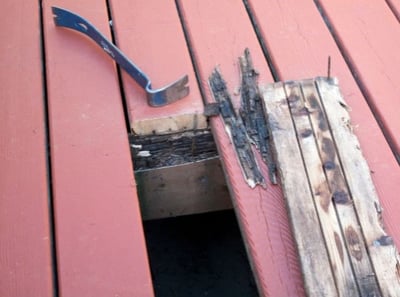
x=70, y=222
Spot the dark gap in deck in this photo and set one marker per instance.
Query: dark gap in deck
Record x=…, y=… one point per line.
x=119, y=73
x=191, y=53
x=357, y=78
x=393, y=9
x=52, y=223
x=262, y=42
x=199, y=255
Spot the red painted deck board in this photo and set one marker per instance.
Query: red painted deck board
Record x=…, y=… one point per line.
x=369, y=34
x=100, y=243
x=219, y=32
x=150, y=33
x=25, y=257
x=299, y=44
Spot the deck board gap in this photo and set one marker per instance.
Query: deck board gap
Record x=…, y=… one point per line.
x=190, y=47
x=265, y=49
x=119, y=71
x=51, y=210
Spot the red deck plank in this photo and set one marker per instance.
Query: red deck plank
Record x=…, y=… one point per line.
x=150, y=33
x=100, y=243
x=369, y=35
x=219, y=32
x=299, y=44
x=25, y=255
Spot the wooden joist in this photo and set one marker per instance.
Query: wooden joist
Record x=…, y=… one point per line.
x=333, y=206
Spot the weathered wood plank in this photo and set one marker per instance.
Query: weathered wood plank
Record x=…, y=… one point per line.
x=25, y=253
x=218, y=32
x=382, y=251
x=100, y=243
x=151, y=35
x=317, y=272
x=299, y=43
x=308, y=137
x=369, y=35
x=339, y=193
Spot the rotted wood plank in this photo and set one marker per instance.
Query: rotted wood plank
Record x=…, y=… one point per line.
x=369, y=254
x=100, y=242
x=381, y=248
x=25, y=240
x=299, y=44
x=369, y=35
x=339, y=194
x=318, y=276
x=219, y=32
x=308, y=137
x=151, y=35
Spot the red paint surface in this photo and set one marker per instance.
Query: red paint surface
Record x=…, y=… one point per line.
x=100, y=243
x=150, y=33
x=25, y=260
x=370, y=35
x=299, y=44
x=219, y=32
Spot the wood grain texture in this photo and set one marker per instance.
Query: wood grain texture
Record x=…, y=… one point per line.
x=299, y=44
x=369, y=35
x=319, y=279
x=150, y=33
x=219, y=31
x=308, y=136
x=338, y=191
x=381, y=249
x=25, y=254
x=100, y=243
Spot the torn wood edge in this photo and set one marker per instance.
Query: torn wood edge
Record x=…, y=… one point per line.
x=252, y=112
x=236, y=130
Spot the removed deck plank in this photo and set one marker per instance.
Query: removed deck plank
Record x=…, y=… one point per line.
x=369, y=36
x=299, y=43
x=381, y=248
x=317, y=273
x=100, y=242
x=319, y=111
x=151, y=35
x=218, y=32
x=314, y=164
x=25, y=240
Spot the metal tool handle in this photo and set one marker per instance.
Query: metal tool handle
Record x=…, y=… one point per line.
x=159, y=97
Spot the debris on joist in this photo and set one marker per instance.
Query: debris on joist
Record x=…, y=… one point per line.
x=252, y=112
x=236, y=130
x=155, y=151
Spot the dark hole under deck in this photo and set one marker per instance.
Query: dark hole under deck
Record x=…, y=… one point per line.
x=199, y=255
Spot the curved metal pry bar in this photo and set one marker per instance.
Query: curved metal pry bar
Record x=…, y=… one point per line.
x=163, y=96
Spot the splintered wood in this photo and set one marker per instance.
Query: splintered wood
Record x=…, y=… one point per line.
x=332, y=203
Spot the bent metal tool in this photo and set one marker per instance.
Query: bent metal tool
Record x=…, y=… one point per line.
x=156, y=97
